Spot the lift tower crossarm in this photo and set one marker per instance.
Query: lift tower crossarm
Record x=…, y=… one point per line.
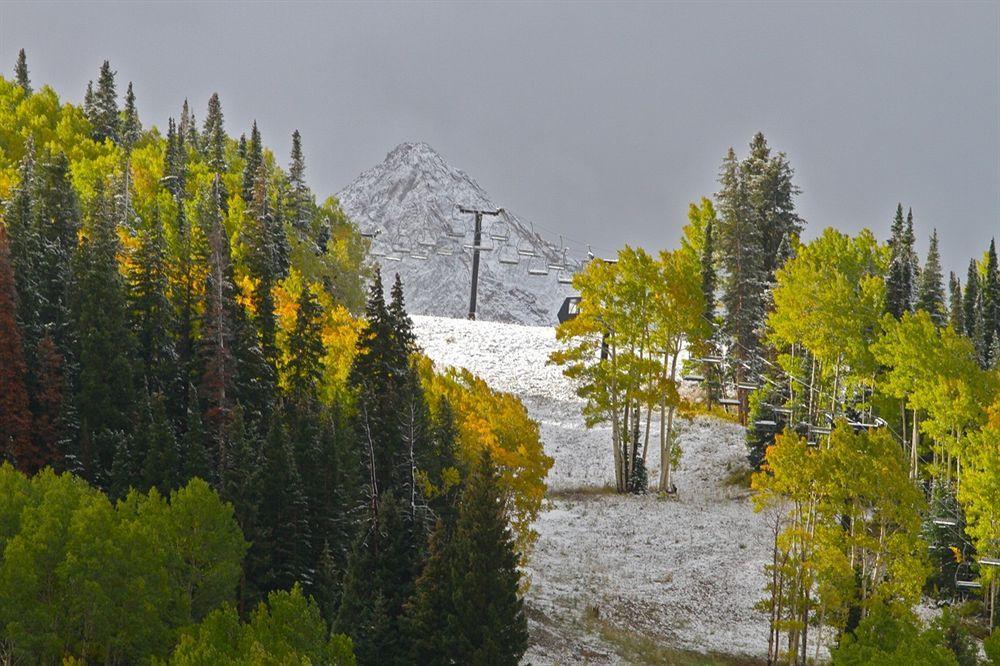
x=477, y=240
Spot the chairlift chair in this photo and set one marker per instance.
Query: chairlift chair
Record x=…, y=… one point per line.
x=525, y=247
x=499, y=230
x=508, y=255
x=379, y=248
x=693, y=378
x=817, y=430
x=419, y=253
x=709, y=360
x=446, y=249
x=971, y=584
x=401, y=244
x=484, y=245
x=747, y=386
x=786, y=411
x=393, y=257
x=728, y=402
x=564, y=276
x=989, y=561
x=426, y=239
x=538, y=266
x=944, y=522
x=766, y=423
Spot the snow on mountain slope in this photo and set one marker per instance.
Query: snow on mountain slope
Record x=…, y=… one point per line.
x=411, y=199
x=685, y=571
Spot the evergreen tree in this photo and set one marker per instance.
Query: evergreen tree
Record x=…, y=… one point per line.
x=305, y=367
x=188, y=128
x=991, y=300
x=931, y=293
x=150, y=309
x=25, y=245
x=771, y=195
x=130, y=126
x=58, y=224
x=972, y=311
x=467, y=607
x=956, y=313
x=15, y=415
x=104, y=342
x=378, y=581
x=897, y=284
x=260, y=260
x=161, y=464
x=214, y=136
x=195, y=461
x=105, y=106
x=53, y=418
x=21, y=72
x=254, y=156
x=175, y=161
x=912, y=261
x=708, y=277
x=88, y=103
x=285, y=540
x=217, y=335
x=299, y=197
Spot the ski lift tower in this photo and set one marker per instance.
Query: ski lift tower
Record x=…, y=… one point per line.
x=477, y=240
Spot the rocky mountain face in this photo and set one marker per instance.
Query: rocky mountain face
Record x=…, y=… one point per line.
x=411, y=203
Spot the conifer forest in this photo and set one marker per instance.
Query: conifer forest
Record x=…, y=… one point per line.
x=241, y=422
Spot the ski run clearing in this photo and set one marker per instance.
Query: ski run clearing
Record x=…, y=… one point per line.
x=609, y=571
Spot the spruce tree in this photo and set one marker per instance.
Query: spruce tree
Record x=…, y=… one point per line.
x=956, y=313
x=15, y=414
x=912, y=262
x=150, y=309
x=104, y=342
x=467, y=607
x=217, y=333
x=254, y=160
x=21, y=72
x=105, y=106
x=972, y=303
x=708, y=277
x=991, y=302
x=260, y=260
x=931, y=293
x=26, y=245
x=88, y=103
x=897, y=285
x=379, y=579
x=214, y=136
x=299, y=198
x=188, y=128
x=130, y=126
x=304, y=370
x=53, y=416
x=161, y=467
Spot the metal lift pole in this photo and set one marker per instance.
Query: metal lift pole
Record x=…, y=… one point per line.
x=477, y=239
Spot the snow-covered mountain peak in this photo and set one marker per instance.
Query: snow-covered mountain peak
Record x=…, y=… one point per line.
x=411, y=200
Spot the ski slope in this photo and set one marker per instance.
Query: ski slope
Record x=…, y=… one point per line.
x=685, y=571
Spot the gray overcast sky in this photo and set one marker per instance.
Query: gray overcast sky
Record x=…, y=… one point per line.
x=601, y=121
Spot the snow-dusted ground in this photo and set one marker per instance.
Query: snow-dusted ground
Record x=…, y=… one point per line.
x=685, y=571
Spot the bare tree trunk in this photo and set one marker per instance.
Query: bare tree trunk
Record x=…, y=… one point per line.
x=914, y=447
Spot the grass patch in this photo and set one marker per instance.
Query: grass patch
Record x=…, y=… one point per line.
x=577, y=492
x=739, y=478
x=690, y=408
x=637, y=648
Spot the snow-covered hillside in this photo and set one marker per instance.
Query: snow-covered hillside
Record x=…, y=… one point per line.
x=684, y=572
x=412, y=200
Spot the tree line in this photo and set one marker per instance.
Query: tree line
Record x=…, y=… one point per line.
x=179, y=307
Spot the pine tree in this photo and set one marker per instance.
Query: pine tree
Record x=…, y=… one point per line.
x=105, y=106
x=15, y=414
x=130, y=126
x=299, y=197
x=104, y=342
x=467, y=607
x=931, y=293
x=254, y=161
x=897, y=281
x=21, y=72
x=956, y=313
x=214, y=136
